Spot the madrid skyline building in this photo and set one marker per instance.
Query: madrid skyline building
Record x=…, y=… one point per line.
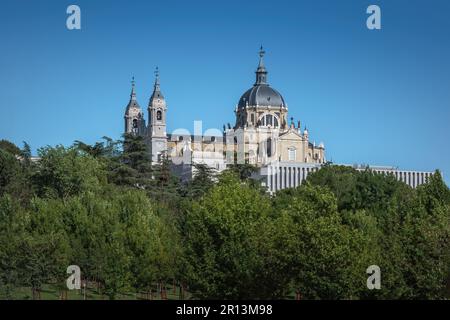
x=263, y=135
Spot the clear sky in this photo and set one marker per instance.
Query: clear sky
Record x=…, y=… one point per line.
x=379, y=97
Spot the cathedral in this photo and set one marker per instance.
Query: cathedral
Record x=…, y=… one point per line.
x=263, y=136
x=262, y=133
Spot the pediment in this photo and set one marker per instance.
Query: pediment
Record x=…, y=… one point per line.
x=291, y=135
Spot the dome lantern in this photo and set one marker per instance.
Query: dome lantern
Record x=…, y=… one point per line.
x=261, y=72
x=261, y=94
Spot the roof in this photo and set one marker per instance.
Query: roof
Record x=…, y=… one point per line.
x=261, y=95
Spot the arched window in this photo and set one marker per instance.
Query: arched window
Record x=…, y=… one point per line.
x=159, y=115
x=135, y=123
x=269, y=120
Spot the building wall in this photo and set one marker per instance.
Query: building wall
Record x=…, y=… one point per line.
x=251, y=145
x=283, y=175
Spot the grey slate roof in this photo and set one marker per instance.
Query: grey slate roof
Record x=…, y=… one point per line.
x=261, y=95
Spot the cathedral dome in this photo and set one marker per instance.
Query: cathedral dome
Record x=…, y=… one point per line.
x=261, y=94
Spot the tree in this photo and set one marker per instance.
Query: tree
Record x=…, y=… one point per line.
x=244, y=171
x=63, y=172
x=15, y=173
x=106, y=149
x=411, y=228
x=434, y=194
x=354, y=189
x=149, y=240
x=26, y=153
x=133, y=167
x=202, y=181
x=129, y=224
x=9, y=171
x=34, y=245
x=224, y=233
x=12, y=221
x=10, y=147
x=426, y=238
x=165, y=186
x=329, y=258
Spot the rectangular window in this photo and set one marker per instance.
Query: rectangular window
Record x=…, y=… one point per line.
x=292, y=154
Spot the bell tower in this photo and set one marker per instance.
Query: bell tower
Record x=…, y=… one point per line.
x=134, y=117
x=157, y=131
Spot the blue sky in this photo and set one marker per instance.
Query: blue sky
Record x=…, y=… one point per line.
x=378, y=97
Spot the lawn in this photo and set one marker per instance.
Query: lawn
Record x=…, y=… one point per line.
x=53, y=292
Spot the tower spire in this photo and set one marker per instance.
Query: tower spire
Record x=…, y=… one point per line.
x=133, y=90
x=261, y=72
x=261, y=56
x=156, y=88
x=157, y=85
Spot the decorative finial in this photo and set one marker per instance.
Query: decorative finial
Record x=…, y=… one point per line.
x=157, y=79
x=261, y=51
x=133, y=92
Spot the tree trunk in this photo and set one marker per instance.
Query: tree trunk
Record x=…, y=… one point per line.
x=181, y=291
x=63, y=294
x=174, y=287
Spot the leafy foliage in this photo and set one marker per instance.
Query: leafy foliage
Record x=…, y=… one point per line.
x=130, y=224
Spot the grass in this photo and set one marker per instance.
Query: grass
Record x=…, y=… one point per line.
x=52, y=292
